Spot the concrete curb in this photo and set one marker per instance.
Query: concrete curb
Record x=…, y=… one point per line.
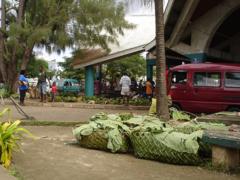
x=83, y=105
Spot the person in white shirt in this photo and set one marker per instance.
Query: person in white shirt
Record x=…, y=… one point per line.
x=125, y=83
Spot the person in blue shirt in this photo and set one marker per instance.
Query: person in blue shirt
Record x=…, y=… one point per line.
x=23, y=86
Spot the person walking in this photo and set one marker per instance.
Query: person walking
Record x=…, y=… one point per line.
x=125, y=83
x=42, y=84
x=23, y=86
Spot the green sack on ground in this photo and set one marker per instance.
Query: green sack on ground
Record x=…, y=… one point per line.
x=153, y=107
x=107, y=134
x=174, y=148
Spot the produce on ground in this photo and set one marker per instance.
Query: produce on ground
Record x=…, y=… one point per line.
x=150, y=137
x=104, y=132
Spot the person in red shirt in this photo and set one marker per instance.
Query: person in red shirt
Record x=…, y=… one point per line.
x=54, y=91
x=149, y=89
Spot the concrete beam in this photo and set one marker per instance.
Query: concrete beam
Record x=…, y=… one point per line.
x=234, y=38
x=183, y=21
x=204, y=28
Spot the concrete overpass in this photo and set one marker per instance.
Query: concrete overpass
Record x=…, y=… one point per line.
x=204, y=30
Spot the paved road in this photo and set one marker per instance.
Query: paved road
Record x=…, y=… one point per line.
x=64, y=114
x=4, y=175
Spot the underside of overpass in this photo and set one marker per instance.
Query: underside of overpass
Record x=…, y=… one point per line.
x=205, y=30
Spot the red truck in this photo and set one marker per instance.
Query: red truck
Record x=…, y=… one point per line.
x=205, y=88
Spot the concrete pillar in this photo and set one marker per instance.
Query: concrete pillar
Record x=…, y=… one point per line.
x=89, y=81
x=98, y=81
x=197, y=57
x=225, y=158
x=150, y=72
x=150, y=64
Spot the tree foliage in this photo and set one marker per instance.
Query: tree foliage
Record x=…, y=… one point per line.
x=55, y=25
x=34, y=65
x=134, y=65
x=69, y=72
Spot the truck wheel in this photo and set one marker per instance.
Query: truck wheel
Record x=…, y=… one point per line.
x=176, y=106
x=234, y=109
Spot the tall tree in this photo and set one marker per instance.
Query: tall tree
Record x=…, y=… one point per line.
x=55, y=25
x=162, y=100
x=2, y=24
x=161, y=95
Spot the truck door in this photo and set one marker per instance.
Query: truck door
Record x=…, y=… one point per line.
x=231, y=93
x=207, y=92
x=179, y=88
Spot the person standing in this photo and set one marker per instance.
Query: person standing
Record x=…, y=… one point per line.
x=141, y=88
x=23, y=86
x=125, y=83
x=53, y=91
x=42, y=84
x=149, y=89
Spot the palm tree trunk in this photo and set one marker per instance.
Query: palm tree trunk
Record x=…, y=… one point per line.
x=2, y=64
x=161, y=88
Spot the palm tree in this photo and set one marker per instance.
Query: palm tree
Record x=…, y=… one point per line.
x=2, y=24
x=161, y=89
x=161, y=95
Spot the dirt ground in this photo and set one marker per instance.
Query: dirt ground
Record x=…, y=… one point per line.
x=51, y=156
x=62, y=114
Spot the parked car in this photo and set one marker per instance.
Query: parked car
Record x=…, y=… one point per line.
x=205, y=88
x=71, y=86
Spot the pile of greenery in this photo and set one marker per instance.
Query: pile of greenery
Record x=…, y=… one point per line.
x=104, y=132
x=149, y=136
x=117, y=101
x=100, y=100
x=4, y=93
x=10, y=135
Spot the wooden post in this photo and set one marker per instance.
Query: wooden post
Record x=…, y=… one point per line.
x=224, y=157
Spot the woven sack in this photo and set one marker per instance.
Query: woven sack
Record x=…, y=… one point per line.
x=99, y=140
x=146, y=146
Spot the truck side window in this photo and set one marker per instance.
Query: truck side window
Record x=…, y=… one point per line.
x=207, y=79
x=179, y=77
x=232, y=79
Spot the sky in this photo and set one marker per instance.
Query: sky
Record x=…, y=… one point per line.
x=134, y=10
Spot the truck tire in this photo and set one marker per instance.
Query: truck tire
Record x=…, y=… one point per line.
x=176, y=106
x=234, y=109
